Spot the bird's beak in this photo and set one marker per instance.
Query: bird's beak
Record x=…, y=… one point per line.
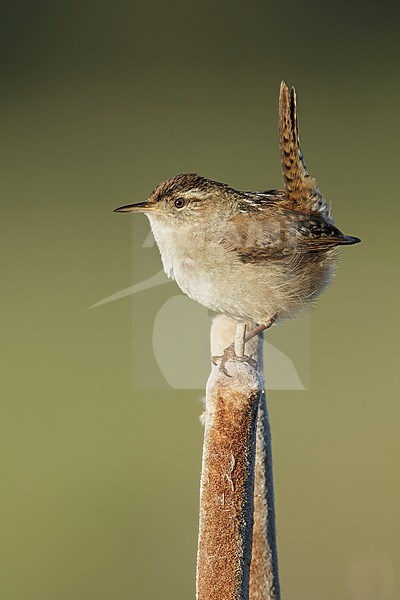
x=142, y=207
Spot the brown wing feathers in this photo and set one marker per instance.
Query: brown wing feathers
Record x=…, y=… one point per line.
x=299, y=221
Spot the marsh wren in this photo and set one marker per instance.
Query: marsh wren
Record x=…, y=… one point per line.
x=258, y=257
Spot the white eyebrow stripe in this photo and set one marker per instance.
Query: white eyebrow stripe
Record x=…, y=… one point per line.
x=196, y=194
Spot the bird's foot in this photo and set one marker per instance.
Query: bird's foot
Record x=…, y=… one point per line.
x=230, y=354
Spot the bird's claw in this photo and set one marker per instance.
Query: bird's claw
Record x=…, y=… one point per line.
x=229, y=354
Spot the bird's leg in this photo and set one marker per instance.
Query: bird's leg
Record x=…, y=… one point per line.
x=259, y=329
x=236, y=350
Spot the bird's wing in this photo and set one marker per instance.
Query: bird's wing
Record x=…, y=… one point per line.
x=281, y=233
x=301, y=189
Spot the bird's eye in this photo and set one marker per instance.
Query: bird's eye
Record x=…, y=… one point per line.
x=179, y=203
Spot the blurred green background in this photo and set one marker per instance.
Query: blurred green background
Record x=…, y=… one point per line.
x=100, y=101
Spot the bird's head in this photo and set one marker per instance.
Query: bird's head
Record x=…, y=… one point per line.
x=186, y=199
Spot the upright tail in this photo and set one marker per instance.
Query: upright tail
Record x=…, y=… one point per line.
x=301, y=189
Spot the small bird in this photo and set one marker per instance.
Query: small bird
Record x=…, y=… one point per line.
x=259, y=257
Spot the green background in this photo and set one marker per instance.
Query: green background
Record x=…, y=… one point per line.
x=100, y=101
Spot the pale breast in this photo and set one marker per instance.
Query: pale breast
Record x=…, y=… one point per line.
x=217, y=279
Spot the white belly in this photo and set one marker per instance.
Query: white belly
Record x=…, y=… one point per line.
x=217, y=279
